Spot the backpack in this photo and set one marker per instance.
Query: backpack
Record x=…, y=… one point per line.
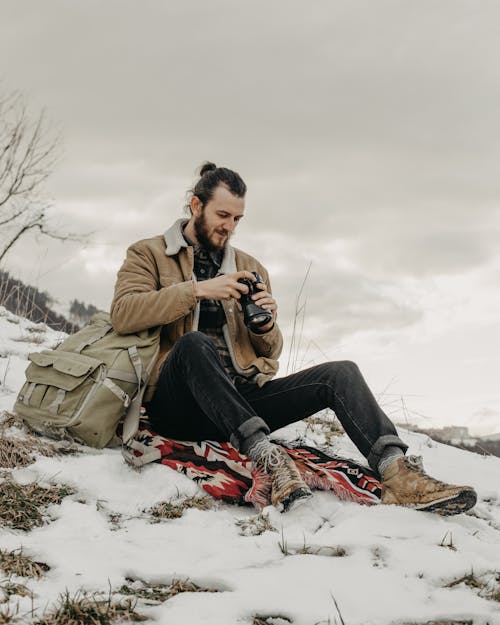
x=83, y=388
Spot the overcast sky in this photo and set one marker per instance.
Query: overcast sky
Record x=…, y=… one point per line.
x=368, y=134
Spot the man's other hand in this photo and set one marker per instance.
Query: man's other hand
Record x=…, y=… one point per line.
x=265, y=300
x=223, y=287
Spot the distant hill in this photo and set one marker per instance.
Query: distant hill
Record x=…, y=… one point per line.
x=35, y=305
x=458, y=436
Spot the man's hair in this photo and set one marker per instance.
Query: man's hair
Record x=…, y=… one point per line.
x=211, y=177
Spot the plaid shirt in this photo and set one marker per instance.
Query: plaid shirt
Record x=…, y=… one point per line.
x=212, y=317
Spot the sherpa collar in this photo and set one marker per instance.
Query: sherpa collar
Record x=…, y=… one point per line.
x=175, y=240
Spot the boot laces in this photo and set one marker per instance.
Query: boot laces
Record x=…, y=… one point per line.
x=415, y=463
x=276, y=462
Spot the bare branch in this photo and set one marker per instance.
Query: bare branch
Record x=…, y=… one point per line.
x=28, y=153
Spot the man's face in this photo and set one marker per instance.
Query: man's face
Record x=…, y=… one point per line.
x=215, y=223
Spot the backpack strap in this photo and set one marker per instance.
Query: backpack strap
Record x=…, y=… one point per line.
x=116, y=390
x=147, y=454
x=97, y=337
x=131, y=420
x=54, y=406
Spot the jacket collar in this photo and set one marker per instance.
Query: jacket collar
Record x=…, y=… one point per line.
x=175, y=241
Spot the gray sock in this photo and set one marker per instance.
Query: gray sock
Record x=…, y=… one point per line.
x=389, y=455
x=248, y=443
x=259, y=448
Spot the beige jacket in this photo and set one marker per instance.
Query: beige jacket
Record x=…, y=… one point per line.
x=155, y=286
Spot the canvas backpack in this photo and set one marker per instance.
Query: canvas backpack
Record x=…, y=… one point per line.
x=93, y=379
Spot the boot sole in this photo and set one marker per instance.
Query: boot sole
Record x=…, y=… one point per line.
x=449, y=506
x=296, y=499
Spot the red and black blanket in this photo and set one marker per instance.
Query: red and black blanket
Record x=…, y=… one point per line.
x=220, y=470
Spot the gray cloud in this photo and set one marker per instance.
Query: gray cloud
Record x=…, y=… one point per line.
x=368, y=135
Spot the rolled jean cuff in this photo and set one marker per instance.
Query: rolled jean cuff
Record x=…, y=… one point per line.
x=254, y=427
x=378, y=448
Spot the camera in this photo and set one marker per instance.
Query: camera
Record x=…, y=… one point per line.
x=254, y=316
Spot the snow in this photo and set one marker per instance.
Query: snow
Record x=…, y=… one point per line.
x=396, y=565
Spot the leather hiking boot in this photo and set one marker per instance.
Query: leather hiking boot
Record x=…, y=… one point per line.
x=288, y=489
x=405, y=483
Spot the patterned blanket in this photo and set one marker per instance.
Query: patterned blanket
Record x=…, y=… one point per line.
x=220, y=470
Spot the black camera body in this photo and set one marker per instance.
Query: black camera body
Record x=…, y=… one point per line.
x=254, y=316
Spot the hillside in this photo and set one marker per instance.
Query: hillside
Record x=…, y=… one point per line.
x=215, y=564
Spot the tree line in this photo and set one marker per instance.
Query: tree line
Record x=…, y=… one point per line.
x=29, y=302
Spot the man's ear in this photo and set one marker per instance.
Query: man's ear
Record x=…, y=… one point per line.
x=196, y=206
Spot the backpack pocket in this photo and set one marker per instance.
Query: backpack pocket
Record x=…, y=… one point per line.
x=57, y=383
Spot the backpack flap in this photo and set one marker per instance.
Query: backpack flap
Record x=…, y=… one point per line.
x=56, y=385
x=65, y=370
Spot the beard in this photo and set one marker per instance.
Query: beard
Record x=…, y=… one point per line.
x=203, y=235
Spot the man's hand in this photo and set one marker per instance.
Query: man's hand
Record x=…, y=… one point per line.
x=265, y=300
x=223, y=287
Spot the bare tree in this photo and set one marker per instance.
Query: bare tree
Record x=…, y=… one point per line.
x=28, y=152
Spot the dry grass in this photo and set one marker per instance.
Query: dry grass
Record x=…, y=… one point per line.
x=19, y=451
x=15, y=452
x=469, y=580
x=15, y=563
x=8, y=615
x=326, y=424
x=255, y=526
x=8, y=589
x=158, y=593
x=270, y=619
x=90, y=609
x=493, y=593
x=9, y=420
x=168, y=510
x=22, y=506
x=488, y=585
x=33, y=338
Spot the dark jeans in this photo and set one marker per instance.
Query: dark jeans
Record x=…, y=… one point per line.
x=196, y=400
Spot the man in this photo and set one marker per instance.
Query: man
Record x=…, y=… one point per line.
x=214, y=375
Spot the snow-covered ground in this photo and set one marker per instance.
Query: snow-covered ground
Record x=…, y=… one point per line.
x=391, y=565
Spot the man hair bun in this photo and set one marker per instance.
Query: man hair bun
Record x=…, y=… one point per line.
x=207, y=167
